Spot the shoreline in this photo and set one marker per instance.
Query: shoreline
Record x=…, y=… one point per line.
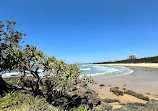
x=144, y=80
x=147, y=65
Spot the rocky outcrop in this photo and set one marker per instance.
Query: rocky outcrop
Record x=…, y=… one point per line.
x=110, y=100
x=89, y=98
x=149, y=106
x=116, y=91
x=140, y=96
x=103, y=107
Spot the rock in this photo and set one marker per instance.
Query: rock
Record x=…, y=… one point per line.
x=96, y=101
x=116, y=91
x=110, y=100
x=60, y=102
x=103, y=107
x=124, y=89
x=92, y=98
x=140, y=96
x=87, y=98
x=149, y=106
x=102, y=85
x=147, y=93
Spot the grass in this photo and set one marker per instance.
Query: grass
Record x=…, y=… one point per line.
x=18, y=101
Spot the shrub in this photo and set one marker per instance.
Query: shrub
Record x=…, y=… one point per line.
x=19, y=101
x=80, y=108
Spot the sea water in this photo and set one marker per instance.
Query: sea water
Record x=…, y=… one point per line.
x=14, y=73
x=90, y=70
x=104, y=70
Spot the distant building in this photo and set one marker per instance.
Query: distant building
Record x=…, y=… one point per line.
x=133, y=56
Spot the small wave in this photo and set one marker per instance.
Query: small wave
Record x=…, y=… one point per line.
x=95, y=66
x=12, y=73
x=84, y=65
x=131, y=71
x=95, y=74
x=85, y=69
x=108, y=71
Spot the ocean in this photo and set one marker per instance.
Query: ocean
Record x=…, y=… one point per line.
x=91, y=70
x=104, y=70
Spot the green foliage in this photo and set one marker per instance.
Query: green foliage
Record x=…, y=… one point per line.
x=9, y=42
x=80, y=108
x=141, y=60
x=64, y=74
x=89, y=79
x=18, y=101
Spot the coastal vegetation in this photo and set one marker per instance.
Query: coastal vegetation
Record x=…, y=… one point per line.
x=16, y=101
x=141, y=60
x=57, y=76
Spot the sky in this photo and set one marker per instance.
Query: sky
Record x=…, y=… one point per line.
x=86, y=31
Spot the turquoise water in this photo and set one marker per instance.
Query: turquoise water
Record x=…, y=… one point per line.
x=8, y=74
x=92, y=70
x=104, y=70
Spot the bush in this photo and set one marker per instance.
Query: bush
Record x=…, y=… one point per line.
x=80, y=108
x=18, y=101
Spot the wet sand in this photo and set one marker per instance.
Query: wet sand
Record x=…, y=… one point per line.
x=142, y=80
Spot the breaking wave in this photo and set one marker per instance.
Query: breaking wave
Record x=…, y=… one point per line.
x=104, y=70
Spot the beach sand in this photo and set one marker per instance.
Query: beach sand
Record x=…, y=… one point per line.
x=143, y=80
x=149, y=65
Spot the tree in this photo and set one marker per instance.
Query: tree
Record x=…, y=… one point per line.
x=60, y=77
x=29, y=62
x=9, y=39
x=56, y=75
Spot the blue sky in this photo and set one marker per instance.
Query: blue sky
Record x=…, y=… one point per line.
x=87, y=30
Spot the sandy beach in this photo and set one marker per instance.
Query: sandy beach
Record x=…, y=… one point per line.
x=149, y=65
x=144, y=80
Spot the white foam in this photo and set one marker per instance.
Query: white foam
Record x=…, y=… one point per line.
x=108, y=71
x=95, y=66
x=131, y=71
x=5, y=75
x=84, y=65
x=85, y=69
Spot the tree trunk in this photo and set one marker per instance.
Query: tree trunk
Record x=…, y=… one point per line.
x=4, y=87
